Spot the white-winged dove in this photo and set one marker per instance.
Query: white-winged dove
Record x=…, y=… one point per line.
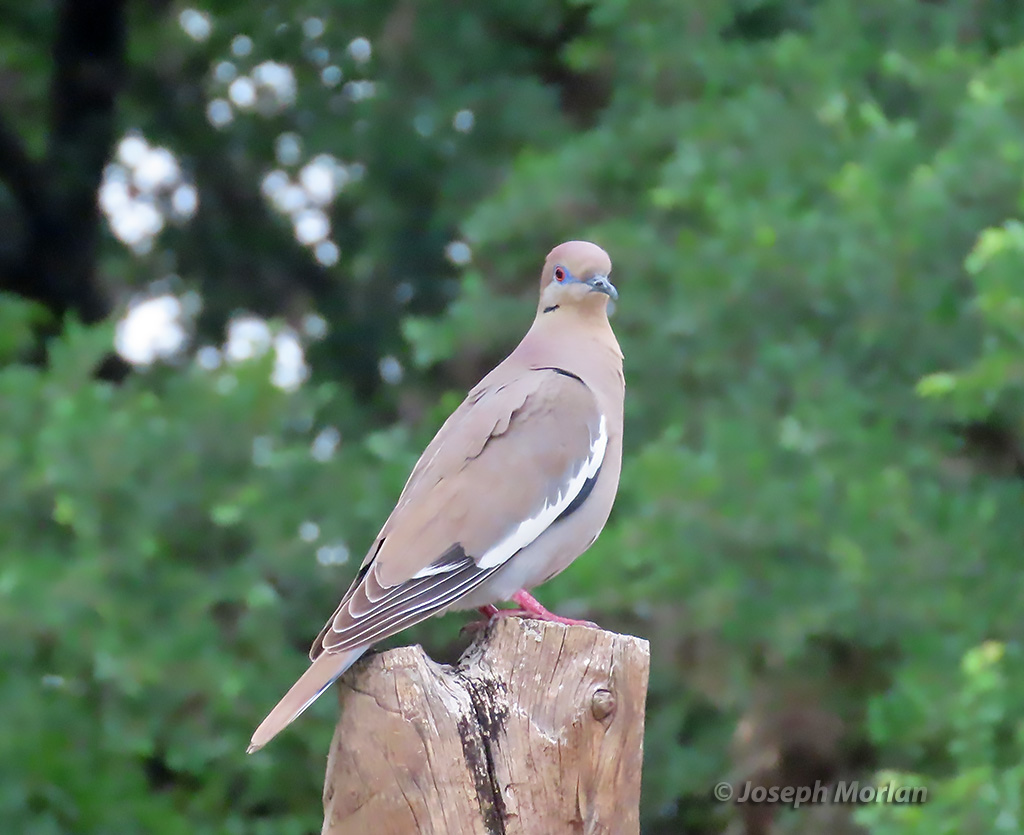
x=517, y=483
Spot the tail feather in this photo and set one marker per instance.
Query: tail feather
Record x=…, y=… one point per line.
x=321, y=674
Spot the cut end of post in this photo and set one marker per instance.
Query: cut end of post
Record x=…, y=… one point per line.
x=531, y=705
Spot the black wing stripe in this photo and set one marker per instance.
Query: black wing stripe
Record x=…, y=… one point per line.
x=581, y=497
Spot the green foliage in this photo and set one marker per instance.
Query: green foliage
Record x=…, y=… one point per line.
x=982, y=792
x=150, y=563
x=994, y=382
x=815, y=212
x=18, y=318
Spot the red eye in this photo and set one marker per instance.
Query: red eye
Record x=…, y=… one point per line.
x=559, y=274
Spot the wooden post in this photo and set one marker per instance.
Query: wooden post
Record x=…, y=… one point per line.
x=537, y=731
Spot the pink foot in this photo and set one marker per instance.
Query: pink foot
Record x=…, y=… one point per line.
x=531, y=608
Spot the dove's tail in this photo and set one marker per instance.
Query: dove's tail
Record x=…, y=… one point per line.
x=320, y=675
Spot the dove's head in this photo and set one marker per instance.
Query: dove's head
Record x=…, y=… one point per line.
x=576, y=275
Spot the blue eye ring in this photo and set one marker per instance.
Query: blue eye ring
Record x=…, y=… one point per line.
x=560, y=274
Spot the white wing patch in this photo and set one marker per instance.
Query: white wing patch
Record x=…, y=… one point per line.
x=529, y=529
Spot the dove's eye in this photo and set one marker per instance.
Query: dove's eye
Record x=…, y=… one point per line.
x=559, y=274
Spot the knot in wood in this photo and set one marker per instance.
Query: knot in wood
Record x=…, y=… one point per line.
x=602, y=704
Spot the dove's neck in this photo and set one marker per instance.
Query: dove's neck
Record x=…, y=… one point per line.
x=576, y=337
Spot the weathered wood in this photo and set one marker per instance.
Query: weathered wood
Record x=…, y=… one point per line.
x=537, y=731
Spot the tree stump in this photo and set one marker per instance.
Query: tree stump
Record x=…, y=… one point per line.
x=537, y=731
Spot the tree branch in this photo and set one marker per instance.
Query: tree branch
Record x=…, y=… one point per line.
x=58, y=196
x=88, y=74
x=23, y=175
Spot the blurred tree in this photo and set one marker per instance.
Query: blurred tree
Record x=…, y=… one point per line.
x=239, y=96
x=49, y=253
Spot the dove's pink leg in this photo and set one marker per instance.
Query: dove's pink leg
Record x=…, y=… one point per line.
x=529, y=607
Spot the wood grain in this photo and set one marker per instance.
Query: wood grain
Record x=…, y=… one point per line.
x=537, y=731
